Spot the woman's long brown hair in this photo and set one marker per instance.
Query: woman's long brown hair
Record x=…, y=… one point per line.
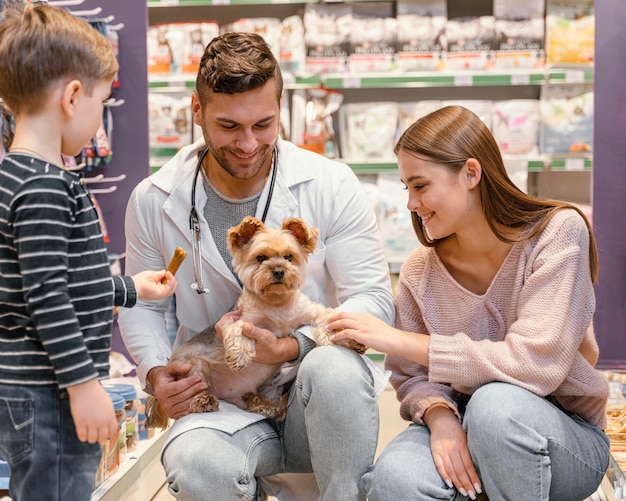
x=452, y=135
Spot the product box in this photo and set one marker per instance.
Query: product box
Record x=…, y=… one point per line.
x=373, y=37
x=567, y=119
x=471, y=43
x=327, y=29
x=520, y=29
x=5, y=473
x=570, y=32
x=421, y=40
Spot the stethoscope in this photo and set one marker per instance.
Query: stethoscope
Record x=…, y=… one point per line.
x=194, y=222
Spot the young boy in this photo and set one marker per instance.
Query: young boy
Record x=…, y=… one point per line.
x=56, y=289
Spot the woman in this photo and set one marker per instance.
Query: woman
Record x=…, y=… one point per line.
x=493, y=352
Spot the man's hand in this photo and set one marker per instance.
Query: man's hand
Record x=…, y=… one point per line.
x=269, y=348
x=174, y=391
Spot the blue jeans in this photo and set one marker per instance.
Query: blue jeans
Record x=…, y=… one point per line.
x=523, y=446
x=331, y=429
x=39, y=441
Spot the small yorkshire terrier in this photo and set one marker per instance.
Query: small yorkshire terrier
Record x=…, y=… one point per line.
x=271, y=264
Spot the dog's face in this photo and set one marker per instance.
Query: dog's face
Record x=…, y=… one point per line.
x=271, y=261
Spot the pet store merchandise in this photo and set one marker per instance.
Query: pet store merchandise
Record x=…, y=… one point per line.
x=553, y=104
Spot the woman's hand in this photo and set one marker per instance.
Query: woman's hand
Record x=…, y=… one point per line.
x=448, y=444
x=373, y=332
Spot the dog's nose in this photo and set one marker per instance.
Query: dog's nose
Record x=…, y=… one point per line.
x=278, y=274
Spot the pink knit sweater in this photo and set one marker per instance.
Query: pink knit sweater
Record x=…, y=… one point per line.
x=532, y=328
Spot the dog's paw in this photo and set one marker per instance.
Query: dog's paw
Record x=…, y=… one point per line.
x=321, y=335
x=352, y=345
x=260, y=404
x=239, y=350
x=204, y=402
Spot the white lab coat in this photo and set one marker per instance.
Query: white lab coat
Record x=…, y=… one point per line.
x=348, y=269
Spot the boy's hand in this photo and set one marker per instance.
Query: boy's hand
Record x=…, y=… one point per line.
x=92, y=411
x=154, y=285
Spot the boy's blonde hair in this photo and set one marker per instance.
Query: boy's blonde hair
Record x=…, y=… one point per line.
x=44, y=45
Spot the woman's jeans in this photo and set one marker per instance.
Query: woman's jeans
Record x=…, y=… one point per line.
x=523, y=446
x=38, y=440
x=331, y=428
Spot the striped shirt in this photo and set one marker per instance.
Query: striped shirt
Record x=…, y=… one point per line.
x=56, y=290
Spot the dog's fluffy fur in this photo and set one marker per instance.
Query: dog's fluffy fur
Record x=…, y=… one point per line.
x=271, y=264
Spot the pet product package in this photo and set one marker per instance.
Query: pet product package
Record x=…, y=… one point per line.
x=372, y=38
x=515, y=126
x=570, y=32
x=267, y=27
x=196, y=38
x=368, y=131
x=410, y=111
x=165, y=45
x=520, y=32
x=471, y=43
x=327, y=29
x=483, y=108
x=312, y=120
x=170, y=123
x=394, y=220
x=292, y=47
x=421, y=39
x=567, y=119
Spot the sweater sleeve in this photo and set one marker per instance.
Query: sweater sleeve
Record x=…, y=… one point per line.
x=410, y=379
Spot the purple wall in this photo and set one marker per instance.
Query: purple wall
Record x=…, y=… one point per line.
x=130, y=121
x=609, y=181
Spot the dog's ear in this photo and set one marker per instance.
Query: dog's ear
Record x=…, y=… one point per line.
x=304, y=234
x=239, y=236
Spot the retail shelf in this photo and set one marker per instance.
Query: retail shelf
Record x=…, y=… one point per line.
x=492, y=78
x=570, y=163
x=433, y=79
x=139, y=476
x=570, y=75
x=187, y=82
x=183, y=3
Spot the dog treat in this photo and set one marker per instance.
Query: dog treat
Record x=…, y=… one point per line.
x=179, y=255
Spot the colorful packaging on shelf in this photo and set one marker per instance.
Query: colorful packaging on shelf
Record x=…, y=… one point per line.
x=515, y=126
x=112, y=448
x=372, y=38
x=520, y=32
x=131, y=428
x=170, y=123
x=421, y=40
x=567, y=119
x=327, y=29
x=292, y=47
x=176, y=48
x=267, y=27
x=368, y=131
x=144, y=433
x=471, y=43
x=570, y=31
x=410, y=111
